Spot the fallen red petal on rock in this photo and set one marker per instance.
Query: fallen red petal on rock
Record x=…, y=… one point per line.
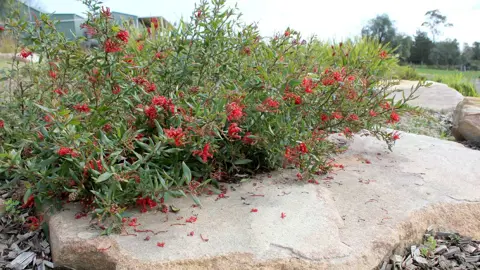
x=254, y=210
x=160, y=244
x=283, y=215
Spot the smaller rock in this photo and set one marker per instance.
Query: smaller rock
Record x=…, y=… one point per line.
x=468, y=248
x=422, y=262
x=440, y=250
x=466, y=120
x=451, y=252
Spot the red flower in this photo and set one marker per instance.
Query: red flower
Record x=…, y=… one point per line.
x=254, y=210
x=82, y=108
x=161, y=244
x=133, y=222
x=383, y=54
x=106, y=12
x=337, y=115
x=191, y=219
x=64, y=151
x=112, y=46
x=123, y=35
x=52, y=74
x=287, y=33
x=25, y=53
x=160, y=55
x=47, y=118
x=150, y=87
x=385, y=106
x=328, y=81
x=204, y=153
x=299, y=176
x=166, y=103
x=107, y=128
x=116, y=89
x=283, y=215
x=307, y=85
x=394, y=117
x=2, y=124
x=2, y=28
x=290, y=96
x=60, y=91
x=353, y=117
x=29, y=203
x=247, y=140
x=302, y=148
x=351, y=78
x=33, y=223
x=347, y=131
x=268, y=102
x=396, y=136
x=233, y=131
x=324, y=117
x=372, y=113
x=155, y=22
x=176, y=134
x=234, y=111
x=191, y=233
x=150, y=112
x=337, y=76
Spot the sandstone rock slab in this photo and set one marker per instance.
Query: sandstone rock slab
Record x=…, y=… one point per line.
x=352, y=219
x=466, y=120
x=438, y=97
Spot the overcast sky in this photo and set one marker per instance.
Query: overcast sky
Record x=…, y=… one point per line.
x=328, y=19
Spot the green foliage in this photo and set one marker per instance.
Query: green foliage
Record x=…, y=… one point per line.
x=407, y=73
x=159, y=114
x=11, y=207
x=458, y=82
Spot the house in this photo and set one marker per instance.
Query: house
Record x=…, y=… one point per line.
x=69, y=23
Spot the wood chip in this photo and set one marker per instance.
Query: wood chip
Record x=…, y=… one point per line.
x=22, y=260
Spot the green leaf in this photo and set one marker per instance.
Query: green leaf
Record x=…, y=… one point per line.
x=103, y=177
x=44, y=108
x=242, y=161
x=27, y=195
x=196, y=200
x=187, y=174
x=294, y=83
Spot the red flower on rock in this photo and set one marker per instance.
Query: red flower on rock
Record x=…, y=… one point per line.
x=254, y=210
x=191, y=219
x=234, y=111
x=233, y=131
x=396, y=136
x=283, y=215
x=82, y=108
x=25, y=53
x=123, y=35
x=161, y=244
x=176, y=134
x=204, y=153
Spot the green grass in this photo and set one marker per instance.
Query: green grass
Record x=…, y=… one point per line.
x=431, y=73
x=4, y=63
x=463, y=82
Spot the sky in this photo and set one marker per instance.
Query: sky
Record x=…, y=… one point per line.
x=327, y=19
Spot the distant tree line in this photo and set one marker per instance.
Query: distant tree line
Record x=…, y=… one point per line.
x=421, y=49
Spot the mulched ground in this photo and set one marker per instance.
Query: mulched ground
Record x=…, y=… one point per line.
x=439, y=251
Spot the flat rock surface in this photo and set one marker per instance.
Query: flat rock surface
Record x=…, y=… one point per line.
x=438, y=97
x=353, y=219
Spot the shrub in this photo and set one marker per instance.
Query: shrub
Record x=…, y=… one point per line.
x=407, y=73
x=458, y=82
x=154, y=115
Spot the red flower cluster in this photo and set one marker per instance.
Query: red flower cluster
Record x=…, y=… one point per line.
x=191, y=219
x=269, y=105
x=247, y=140
x=123, y=35
x=287, y=33
x=33, y=223
x=394, y=118
x=143, y=202
x=60, y=91
x=292, y=96
x=383, y=54
x=25, y=53
x=64, y=151
x=234, y=111
x=164, y=102
x=337, y=115
x=302, y=148
x=308, y=85
x=112, y=46
x=205, y=153
x=176, y=134
x=106, y=12
x=116, y=89
x=2, y=124
x=150, y=112
x=82, y=108
x=353, y=117
x=372, y=113
x=233, y=131
x=52, y=74
x=155, y=22
x=2, y=28
x=147, y=86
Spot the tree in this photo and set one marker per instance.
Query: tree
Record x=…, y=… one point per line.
x=476, y=50
x=445, y=53
x=403, y=44
x=421, y=48
x=380, y=28
x=435, y=20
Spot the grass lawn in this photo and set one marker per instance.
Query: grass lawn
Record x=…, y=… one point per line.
x=431, y=73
